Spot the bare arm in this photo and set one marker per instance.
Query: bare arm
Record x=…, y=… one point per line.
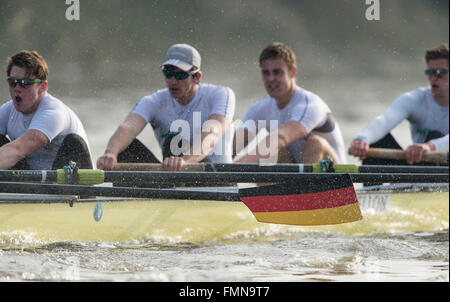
x=23, y=146
x=119, y=141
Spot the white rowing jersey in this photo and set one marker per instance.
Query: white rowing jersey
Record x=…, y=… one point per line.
x=306, y=108
x=423, y=114
x=53, y=118
x=166, y=115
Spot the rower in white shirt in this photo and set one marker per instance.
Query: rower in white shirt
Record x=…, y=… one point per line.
x=38, y=131
x=426, y=110
x=190, y=120
x=301, y=126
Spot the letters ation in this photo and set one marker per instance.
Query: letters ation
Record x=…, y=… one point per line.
x=373, y=11
x=73, y=11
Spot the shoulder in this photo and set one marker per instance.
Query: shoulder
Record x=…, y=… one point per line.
x=411, y=101
x=260, y=107
x=157, y=96
x=309, y=100
x=50, y=102
x=5, y=114
x=147, y=103
x=302, y=94
x=150, y=105
x=6, y=107
x=263, y=102
x=52, y=111
x=51, y=108
x=419, y=94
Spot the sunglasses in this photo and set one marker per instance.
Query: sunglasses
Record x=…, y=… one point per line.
x=438, y=72
x=179, y=75
x=24, y=83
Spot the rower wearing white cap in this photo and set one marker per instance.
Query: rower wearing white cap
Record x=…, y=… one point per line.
x=191, y=121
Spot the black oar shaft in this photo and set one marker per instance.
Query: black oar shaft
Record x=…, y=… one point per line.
x=402, y=169
x=254, y=177
x=399, y=178
x=221, y=178
x=28, y=175
x=53, y=189
x=285, y=168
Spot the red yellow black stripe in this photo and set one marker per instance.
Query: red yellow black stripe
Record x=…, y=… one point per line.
x=330, y=201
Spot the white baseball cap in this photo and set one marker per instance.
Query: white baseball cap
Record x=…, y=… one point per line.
x=183, y=56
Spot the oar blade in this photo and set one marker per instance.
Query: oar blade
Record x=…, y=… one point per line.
x=332, y=201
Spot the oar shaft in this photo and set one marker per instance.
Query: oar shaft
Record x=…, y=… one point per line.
x=430, y=156
x=403, y=169
x=28, y=175
x=215, y=178
x=54, y=189
x=196, y=167
x=218, y=178
x=269, y=168
x=220, y=167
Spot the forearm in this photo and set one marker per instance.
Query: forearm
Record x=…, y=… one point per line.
x=440, y=144
x=119, y=140
x=385, y=122
x=9, y=156
x=125, y=134
x=18, y=149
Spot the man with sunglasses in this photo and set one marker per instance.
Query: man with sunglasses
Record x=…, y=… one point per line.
x=426, y=110
x=38, y=131
x=190, y=120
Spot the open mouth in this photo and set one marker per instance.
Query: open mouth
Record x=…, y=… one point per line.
x=18, y=99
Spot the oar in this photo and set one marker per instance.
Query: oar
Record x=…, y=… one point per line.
x=331, y=201
x=83, y=190
x=92, y=177
x=430, y=156
x=299, y=168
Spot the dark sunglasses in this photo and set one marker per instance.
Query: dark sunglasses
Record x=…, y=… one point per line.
x=24, y=83
x=438, y=72
x=179, y=75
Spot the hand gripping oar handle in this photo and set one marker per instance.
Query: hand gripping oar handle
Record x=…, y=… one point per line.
x=430, y=156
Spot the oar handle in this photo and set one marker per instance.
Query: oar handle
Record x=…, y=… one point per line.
x=430, y=156
x=196, y=167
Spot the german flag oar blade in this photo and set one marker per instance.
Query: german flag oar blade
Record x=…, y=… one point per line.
x=330, y=201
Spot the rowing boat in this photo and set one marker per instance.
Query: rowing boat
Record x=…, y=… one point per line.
x=40, y=219
x=304, y=198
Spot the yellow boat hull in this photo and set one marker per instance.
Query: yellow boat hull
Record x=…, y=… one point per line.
x=175, y=221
